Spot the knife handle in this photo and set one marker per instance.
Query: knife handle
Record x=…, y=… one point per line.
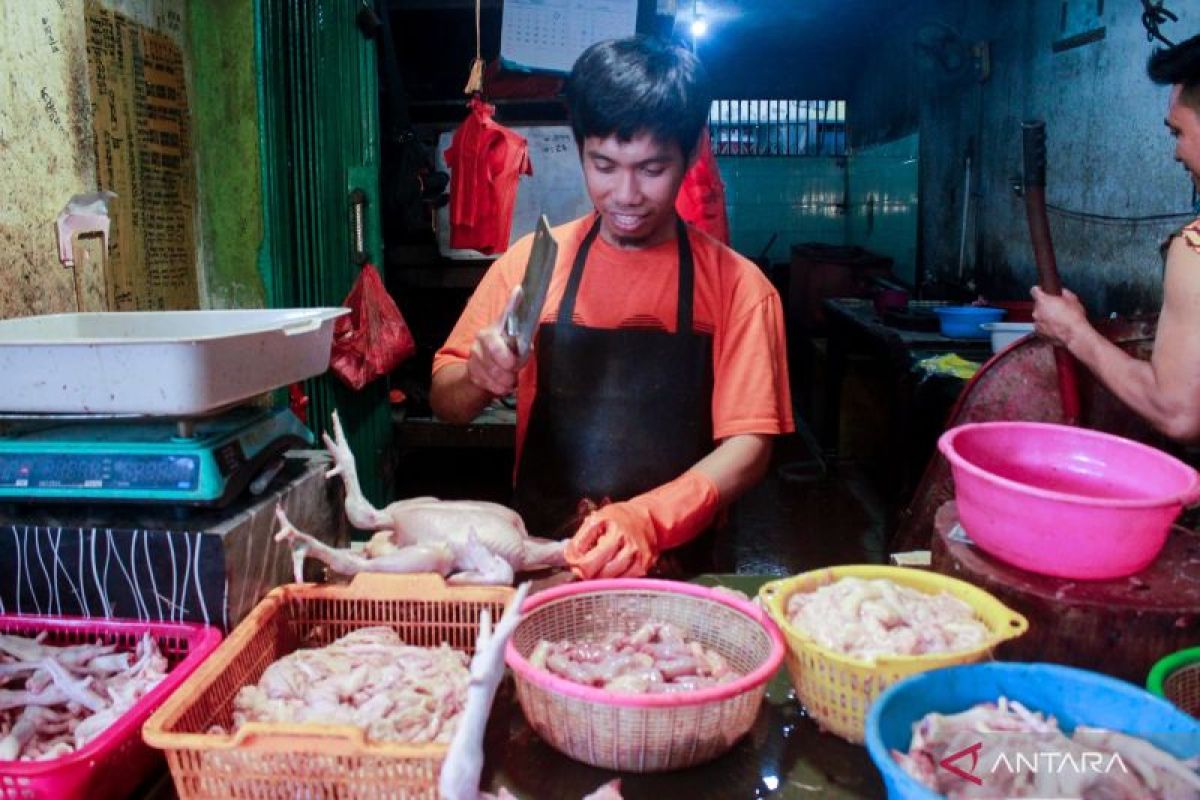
x=508, y=326
x=510, y=336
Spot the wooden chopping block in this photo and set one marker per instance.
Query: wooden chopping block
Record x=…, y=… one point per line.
x=1119, y=627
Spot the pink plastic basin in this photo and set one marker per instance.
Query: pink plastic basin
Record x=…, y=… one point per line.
x=1064, y=501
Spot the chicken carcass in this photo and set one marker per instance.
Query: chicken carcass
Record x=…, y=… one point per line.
x=467, y=541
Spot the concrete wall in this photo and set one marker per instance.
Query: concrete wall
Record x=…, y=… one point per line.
x=46, y=152
x=46, y=146
x=1107, y=150
x=229, y=181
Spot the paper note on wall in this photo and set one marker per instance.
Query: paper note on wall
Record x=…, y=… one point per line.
x=141, y=125
x=555, y=189
x=550, y=34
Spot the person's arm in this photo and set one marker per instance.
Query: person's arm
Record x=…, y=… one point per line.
x=461, y=390
x=476, y=365
x=736, y=465
x=1165, y=390
x=625, y=539
x=454, y=398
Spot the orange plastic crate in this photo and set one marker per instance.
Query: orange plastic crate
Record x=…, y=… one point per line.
x=270, y=760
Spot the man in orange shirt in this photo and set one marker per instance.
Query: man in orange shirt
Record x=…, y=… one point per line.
x=658, y=376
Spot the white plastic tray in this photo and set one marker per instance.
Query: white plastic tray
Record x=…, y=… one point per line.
x=171, y=363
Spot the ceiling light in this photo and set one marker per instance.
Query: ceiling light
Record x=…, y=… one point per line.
x=699, y=27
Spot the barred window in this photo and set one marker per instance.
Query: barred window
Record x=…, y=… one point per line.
x=778, y=127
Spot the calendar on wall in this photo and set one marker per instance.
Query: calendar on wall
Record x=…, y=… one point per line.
x=550, y=34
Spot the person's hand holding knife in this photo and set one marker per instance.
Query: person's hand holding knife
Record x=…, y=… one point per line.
x=502, y=348
x=494, y=362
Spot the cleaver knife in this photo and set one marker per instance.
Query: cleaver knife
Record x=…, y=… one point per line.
x=521, y=322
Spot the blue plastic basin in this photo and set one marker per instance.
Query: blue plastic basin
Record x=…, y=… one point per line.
x=963, y=322
x=1072, y=696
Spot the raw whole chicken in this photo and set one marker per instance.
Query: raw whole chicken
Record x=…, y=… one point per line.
x=467, y=541
x=870, y=618
x=1005, y=750
x=654, y=659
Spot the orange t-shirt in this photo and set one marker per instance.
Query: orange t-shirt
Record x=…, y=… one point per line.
x=734, y=302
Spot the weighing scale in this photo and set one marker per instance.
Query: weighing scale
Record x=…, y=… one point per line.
x=204, y=461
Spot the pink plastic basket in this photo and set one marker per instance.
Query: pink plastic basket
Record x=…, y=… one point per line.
x=644, y=733
x=114, y=763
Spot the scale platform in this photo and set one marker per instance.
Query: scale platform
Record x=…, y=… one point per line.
x=202, y=462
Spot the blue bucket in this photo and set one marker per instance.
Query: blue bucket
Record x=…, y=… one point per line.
x=1072, y=696
x=963, y=322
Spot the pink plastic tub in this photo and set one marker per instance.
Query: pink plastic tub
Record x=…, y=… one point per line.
x=1064, y=501
x=114, y=763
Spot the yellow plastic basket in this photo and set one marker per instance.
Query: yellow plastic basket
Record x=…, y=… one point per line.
x=837, y=690
x=265, y=761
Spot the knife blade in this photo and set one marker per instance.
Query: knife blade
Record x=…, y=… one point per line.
x=521, y=322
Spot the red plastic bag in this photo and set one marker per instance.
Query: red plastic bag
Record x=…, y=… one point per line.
x=373, y=338
x=701, y=198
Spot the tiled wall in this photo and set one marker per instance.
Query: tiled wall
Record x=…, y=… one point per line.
x=797, y=198
x=883, y=203
x=801, y=199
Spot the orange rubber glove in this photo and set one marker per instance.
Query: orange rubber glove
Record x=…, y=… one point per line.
x=623, y=540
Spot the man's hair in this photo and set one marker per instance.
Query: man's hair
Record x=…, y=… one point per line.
x=627, y=86
x=1179, y=64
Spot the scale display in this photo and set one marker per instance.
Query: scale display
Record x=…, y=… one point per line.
x=98, y=471
x=208, y=462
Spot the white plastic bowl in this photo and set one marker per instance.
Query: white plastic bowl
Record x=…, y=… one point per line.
x=169, y=363
x=1005, y=333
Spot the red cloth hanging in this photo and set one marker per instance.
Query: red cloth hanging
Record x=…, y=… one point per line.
x=373, y=338
x=701, y=199
x=486, y=160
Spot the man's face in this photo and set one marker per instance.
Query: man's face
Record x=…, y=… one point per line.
x=633, y=185
x=1184, y=122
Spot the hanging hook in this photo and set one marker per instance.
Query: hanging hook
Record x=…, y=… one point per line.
x=1153, y=15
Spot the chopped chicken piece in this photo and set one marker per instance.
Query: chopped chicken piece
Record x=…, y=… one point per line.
x=653, y=659
x=1011, y=751
x=870, y=618
x=370, y=679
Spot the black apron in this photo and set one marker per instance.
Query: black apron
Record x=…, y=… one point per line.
x=617, y=412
